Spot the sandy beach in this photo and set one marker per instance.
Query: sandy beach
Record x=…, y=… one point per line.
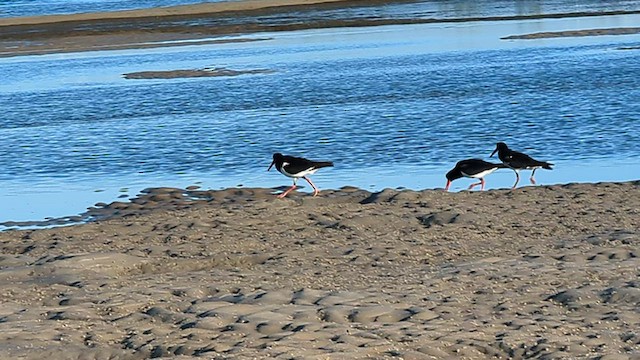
x=539, y=272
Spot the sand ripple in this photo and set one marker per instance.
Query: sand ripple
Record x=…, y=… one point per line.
x=539, y=272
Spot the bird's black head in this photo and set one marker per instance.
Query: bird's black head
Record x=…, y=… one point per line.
x=499, y=147
x=277, y=159
x=454, y=174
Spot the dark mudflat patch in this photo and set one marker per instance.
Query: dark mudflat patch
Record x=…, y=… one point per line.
x=629, y=48
x=195, y=73
x=575, y=33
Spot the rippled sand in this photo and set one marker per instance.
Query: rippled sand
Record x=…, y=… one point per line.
x=539, y=272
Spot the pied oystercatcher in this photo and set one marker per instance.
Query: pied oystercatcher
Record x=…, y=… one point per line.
x=472, y=168
x=295, y=168
x=518, y=161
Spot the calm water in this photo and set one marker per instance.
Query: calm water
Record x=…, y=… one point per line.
x=391, y=106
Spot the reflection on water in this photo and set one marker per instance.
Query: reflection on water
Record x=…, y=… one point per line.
x=391, y=106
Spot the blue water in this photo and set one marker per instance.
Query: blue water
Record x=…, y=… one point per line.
x=392, y=106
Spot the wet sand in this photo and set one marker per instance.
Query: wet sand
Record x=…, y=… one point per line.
x=191, y=73
x=162, y=27
x=198, y=24
x=575, y=33
x=538, y=272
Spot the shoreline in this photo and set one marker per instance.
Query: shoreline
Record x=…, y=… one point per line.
x=203, y=9
x=84, y=193
x=248, y=7
x=163, y=199
x=348, y=274
x=174, y=26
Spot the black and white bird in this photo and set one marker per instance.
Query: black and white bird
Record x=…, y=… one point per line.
x=296, y=168
x=518, y=161
x=472, y=168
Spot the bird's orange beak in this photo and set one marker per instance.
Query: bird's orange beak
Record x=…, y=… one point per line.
x=446, y=188
x=273, y=162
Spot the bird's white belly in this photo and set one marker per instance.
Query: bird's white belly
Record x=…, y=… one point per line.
x=480, y=174
x=300, y=174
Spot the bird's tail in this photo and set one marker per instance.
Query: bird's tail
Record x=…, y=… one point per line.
x=321, y=164
x=546, y=165
x=501, y=166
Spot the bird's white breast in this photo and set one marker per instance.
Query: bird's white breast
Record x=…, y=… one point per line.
x=480, y=174
x=306, y=172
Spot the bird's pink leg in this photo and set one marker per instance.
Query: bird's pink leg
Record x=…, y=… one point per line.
x=315, y=189
x=287, y=192
x=533, y=181
x=475, y=184
x=481, y=183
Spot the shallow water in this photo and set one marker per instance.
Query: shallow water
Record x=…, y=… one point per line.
x=392, y=106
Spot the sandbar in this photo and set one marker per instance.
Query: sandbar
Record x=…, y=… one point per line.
x=172, y=26
x=575, y=33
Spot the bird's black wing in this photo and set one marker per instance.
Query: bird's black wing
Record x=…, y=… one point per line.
x=476, y=166
x=297, y=165
x=518, y=160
